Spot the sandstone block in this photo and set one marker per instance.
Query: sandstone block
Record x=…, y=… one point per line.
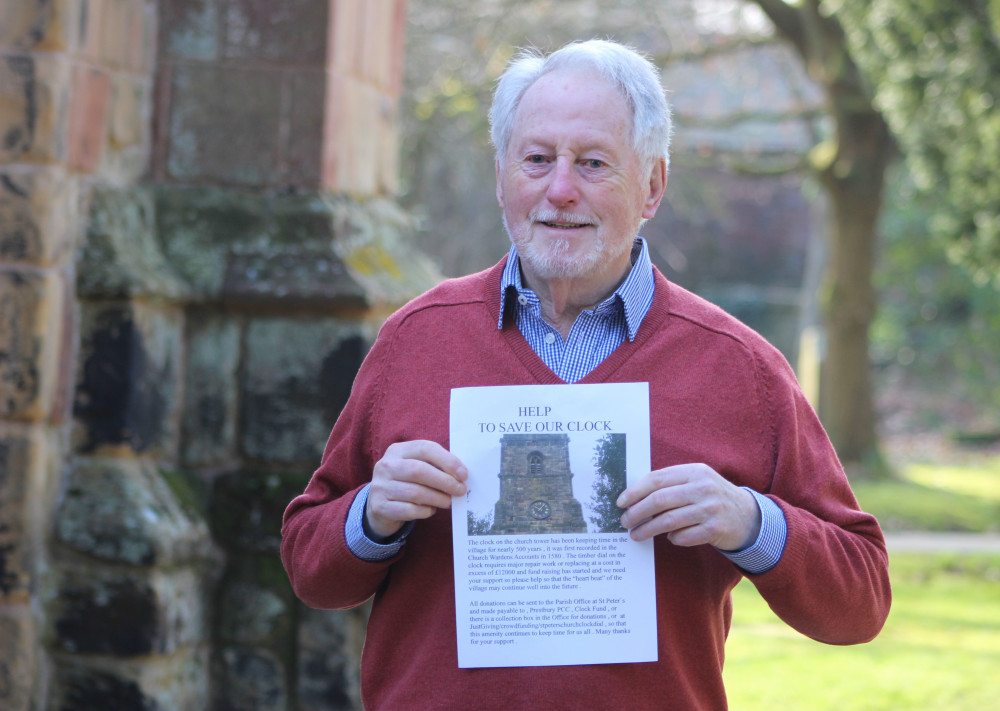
x=242, y=104
x=295, y=278
x=34, y=108
x=297, y=376
x=88, y=118
x=302, y=156
x=329, y=664
x=122, y=510
x=199, y=227
x=294, y=31
x=129, y=380
x=251, y=680
x=20, y=669
x=44, y=26
x=121, y=255
x=130, y=108
x=190, y=29
x=31, y=330
x=252, y=615
x=128, y=615
x=21, y=479
x=38, y=208
x=245, y=515
x=208, y=234
x=176, y=683
x=210, y=390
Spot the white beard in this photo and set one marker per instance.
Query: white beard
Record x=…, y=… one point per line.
x=552, y=259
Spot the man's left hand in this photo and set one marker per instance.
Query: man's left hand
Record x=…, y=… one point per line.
x=692, y=504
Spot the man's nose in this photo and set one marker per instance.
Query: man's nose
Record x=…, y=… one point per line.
x=562, y=186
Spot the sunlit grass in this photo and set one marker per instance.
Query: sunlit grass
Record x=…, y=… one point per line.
x=936, y=497
x=939, y=650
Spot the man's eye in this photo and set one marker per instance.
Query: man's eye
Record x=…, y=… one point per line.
x=594, y=163
x=537, y=159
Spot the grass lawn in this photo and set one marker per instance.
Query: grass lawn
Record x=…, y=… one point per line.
x=933, y=496
x=939, y=650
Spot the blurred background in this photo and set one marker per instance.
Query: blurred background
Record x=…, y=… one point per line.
x=207, y=207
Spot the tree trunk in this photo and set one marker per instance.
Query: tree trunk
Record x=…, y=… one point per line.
x=852, y=168
x=853, y=181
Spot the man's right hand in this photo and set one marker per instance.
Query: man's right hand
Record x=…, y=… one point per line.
x=412, y=481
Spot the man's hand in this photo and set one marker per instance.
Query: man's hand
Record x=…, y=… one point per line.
x=412, y=481
x=692, y=505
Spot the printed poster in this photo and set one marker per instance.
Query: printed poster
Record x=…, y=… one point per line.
x=544, y=573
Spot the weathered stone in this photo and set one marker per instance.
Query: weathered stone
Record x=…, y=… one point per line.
x=242, y=104
x=88, y=117
x=130, y=102
x=31, y=329
x=294, y=31
x=200, y=227
x=246, y=511
x=291, y=278
x=306, y=114
x=34, y=108
x=190, y=29
x=16, y=462
x=251, y=680
x=253, y=616
x=129, y=383
x=37, y=215
x=215, y=235
x=121, y=256
x=30, y=466
x=175, y=683
x=297, y=377
x=129, y=615
x=210, y=390
x=329, y=658
x=44, y=26
x=20, y=673
x=118, y=35
x=373, y=240
x=122, y=510
x=94, y=690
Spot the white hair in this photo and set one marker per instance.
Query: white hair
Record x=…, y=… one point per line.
x=633, y=74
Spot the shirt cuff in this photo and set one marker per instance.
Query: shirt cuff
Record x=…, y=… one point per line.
x=764, y=553
x=360, y=544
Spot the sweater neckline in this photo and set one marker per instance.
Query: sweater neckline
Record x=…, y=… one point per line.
x=651, y=323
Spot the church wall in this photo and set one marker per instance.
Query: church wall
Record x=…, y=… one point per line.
x=198, y=238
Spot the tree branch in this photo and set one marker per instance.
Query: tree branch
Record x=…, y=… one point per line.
x=788, y=21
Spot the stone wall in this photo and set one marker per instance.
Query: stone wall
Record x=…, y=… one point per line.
x=197, y=241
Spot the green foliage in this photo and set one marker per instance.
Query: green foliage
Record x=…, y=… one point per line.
x=479, y=525
x=609, y=483
x=935, y=67
x=937, y=325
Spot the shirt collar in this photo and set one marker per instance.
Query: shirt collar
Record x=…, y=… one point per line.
x=635, y=294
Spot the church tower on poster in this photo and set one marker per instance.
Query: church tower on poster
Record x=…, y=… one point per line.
x=536, y=487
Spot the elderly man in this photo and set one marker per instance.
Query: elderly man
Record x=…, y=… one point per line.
x=745, y=481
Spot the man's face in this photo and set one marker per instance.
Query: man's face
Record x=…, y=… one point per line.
x=572, y=189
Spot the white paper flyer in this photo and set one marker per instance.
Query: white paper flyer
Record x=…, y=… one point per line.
x=544, y=573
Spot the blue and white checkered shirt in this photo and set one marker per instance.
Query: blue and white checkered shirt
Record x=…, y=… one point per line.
x=595, y=334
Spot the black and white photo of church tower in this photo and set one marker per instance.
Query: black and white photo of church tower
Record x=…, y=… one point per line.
x=536, y=487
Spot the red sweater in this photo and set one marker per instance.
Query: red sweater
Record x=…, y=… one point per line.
x=718, y=394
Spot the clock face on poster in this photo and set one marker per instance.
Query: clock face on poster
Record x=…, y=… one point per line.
x=540, y=509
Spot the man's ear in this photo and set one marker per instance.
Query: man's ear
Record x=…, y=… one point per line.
x=496, y=167
x=657, y=185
